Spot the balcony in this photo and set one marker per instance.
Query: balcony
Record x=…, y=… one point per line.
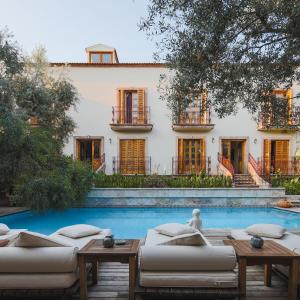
x=281, y=124
x=131, y=120
x=133, y=166
x=193, y=121
x=190, y=167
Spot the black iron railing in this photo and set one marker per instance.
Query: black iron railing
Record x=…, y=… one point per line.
x=131, y=116
x=193, y=118
x=289, y=119
x=182, y=167
x=135, y=166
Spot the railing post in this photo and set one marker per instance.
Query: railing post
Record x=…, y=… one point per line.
x=149, y=165
x=208, y=165
x=172, y=165
x=114, y=165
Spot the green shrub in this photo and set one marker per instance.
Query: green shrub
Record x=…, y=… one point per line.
x=61, y=188
x=157, y=181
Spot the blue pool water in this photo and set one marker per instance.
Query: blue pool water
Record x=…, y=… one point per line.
x=134, y=222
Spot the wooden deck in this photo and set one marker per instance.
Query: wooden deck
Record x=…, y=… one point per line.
x=113, y=279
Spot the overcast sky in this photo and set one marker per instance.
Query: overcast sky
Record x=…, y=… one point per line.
x=66, y=27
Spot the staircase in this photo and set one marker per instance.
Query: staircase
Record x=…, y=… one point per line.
x=244, y=180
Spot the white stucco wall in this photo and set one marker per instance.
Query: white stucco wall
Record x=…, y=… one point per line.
x=98, y=86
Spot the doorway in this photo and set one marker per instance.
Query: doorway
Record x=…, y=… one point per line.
x=234, y=151
x=89, y=151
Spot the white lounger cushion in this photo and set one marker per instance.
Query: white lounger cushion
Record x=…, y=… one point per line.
x=187, y=258
x=154, y=238
x=79, y=230
x=37, y=281
x=189, y=239
x=38, y=260
x=225, y=279
x=3, y=229
x=174, y=229
x=79, y=242
x=266, y=230
x=33, y=239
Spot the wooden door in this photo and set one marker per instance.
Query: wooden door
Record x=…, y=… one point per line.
x=89, y=151
x=226, y=149
x=191, y=156
x=267, y=156
x=132, y=156
x=281, y=156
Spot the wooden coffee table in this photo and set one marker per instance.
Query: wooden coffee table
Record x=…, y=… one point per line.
x=270, y=253
x=94, y=252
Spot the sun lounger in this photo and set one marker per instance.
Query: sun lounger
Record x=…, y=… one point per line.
x=200, y=270
x=42, y=271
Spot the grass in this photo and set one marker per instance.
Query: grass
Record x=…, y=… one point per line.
x=160, y=181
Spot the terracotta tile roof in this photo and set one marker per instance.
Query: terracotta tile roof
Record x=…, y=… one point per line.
x=109, y=65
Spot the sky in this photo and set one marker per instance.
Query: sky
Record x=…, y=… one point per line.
x=66, y=27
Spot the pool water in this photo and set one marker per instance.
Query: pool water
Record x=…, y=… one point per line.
x=134, y=222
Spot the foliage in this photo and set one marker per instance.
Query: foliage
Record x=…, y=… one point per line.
x=291, y=184
x=156, y=181
x=64, y=186
x=33, y=170
x=227, y=48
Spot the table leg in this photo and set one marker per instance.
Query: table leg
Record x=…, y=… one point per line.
x=268, y=274
x=293, y=279
x=132, y=276
x=95, y=272
x=82, y=278
x=242, y=278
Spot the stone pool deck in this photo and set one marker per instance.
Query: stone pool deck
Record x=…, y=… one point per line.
x=8, y=210
x=113, y=279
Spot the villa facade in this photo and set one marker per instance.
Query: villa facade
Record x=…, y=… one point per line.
x=123, y=126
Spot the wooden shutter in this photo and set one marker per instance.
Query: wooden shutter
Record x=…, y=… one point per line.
x=281, y=156
x=120, y=113
x=267, y=156
x=141, y=106
x=203, y=158
x=289, y=96
x=180, y=156
x=203, y=108
x=132, y=156
x=77, y=154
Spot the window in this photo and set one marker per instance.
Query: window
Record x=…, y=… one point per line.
x=106, y=58
x=101, y=57
x=95, y=58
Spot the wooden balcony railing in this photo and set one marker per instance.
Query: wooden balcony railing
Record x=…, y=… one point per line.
x=134, y=116
x=226, y=163
x=180, y=167
x=136, y=166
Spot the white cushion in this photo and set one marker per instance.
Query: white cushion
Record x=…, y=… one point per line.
x=189, y=239
x=266, y=230
x=187, y=258
x=173, y=229
x=3, y=229
x=33, y=239
x=38, y=260
x=79, y=230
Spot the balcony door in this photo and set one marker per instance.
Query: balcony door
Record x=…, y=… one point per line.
x=132, y=156
x=131, y=105
x=191, y=156
x=276, y=156
x=89, y=151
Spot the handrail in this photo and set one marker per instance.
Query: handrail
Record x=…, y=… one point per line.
x=257, y=166
x=133, y=116
x=226, y=163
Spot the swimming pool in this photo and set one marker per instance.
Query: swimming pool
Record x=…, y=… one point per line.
x=134, y=222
